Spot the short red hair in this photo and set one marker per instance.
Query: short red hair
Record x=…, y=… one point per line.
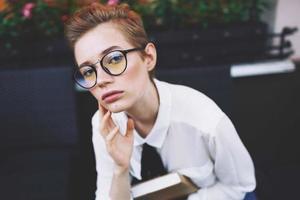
x=126, y=20
x=87, y=18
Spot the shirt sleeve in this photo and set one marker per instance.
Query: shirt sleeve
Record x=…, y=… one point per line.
x=104, y=164
x=233, y=165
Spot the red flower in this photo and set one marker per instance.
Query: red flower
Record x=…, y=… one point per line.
x=112, y=2
x=27, y=10
x=64, y=18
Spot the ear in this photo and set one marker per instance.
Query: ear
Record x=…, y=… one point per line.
x=150, y=57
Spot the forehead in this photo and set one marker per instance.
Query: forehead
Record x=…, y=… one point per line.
x=95, y=41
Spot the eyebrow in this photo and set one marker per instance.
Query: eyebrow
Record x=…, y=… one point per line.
x=105, y=51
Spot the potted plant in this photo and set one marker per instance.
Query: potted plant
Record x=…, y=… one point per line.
x=34, y=28
x=31, y=30
x=204, y=32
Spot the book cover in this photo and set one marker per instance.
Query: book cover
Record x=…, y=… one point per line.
x=168, y=187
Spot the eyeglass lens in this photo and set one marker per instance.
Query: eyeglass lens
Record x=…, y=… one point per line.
x=114, y=63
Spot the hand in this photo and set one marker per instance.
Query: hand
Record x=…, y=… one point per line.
x=118, y=146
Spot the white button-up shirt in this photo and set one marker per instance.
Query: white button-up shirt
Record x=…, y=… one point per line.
x=193, y=136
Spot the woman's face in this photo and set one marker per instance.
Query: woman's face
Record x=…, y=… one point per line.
x=115, y=93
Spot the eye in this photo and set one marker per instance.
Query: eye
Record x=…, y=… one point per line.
x=88, y=72
x=114, y=58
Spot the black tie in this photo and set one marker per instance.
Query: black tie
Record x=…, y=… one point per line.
x=151, y=164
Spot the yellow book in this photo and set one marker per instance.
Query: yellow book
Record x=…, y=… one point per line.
x=168, y=187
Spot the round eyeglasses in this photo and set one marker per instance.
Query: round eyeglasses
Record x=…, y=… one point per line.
x=113, y=63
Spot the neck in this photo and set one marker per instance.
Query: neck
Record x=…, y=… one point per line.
x=145, y=111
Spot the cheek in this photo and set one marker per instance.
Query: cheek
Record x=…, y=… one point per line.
x=95, y=93
x=113, y=107
x=137, y=76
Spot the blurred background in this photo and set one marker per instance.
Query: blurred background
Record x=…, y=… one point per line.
x=245, y=55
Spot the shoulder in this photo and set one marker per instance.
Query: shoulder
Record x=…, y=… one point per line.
x=194, y=108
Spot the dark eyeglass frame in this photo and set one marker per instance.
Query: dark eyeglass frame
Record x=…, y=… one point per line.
x=93, y=66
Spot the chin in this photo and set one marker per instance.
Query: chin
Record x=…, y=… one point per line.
x=116, y=111
x=116, y=107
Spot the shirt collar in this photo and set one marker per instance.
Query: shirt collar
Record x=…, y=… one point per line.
x=158, y=133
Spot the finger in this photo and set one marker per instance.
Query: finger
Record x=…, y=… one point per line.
x=102, y=109
x=104, y=129
x=111, y=124
x=112, y=134
x=130, y=127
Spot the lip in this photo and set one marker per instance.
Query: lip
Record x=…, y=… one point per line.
x=111, y=96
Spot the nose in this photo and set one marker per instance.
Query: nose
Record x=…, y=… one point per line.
x=103, y=78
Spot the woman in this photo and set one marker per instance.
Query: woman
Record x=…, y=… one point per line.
x=191, y=134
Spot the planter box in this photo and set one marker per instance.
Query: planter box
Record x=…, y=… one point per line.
x=213, y=46
x=36, y=52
